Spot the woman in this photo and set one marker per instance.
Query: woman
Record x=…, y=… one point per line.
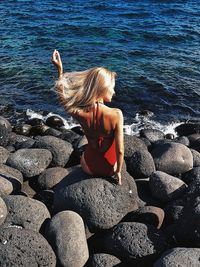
x=83, y=95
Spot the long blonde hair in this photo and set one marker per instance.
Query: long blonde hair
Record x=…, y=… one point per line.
x=81, y=89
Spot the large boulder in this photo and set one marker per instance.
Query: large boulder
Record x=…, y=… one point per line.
x=60, y=149
x=30, y=162
x=3, y=211
x=196, y=157
x=20, y=247
x=4, y=169
x=135, y=243
x=192, y=175
x=188, y=128
x=103, y=260
x=141, y=164
x=66, y=234
x=100, y=201
x=152, y=135
x=172, y=158
x=132, y=144
x=5, y=131
x=52, y=176
x=166, y=187
x=4, y=154
x=25, y=212
x=179, y=256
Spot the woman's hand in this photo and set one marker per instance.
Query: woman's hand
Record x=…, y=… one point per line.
x=118, y=177
x=56, y=60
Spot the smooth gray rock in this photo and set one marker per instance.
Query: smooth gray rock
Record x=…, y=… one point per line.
x=52, y=176
x=60, y=149
x=196, y=157
x=135, y=243
x=141, y=164
x=179, y=256
x=25, y=212
x=20, y=247
x=12, y=172
x=152, y=135
x=183, y=140
x=66, y=234
x=25, y=144
x=6, y=186
x=166, y=187
x=100, y=201
x=4, y=153
x=172, y=158
x=3, y=211
x=30, y=162
x=132, y=144
x=103, y=260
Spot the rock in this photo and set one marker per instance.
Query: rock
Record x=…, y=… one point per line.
x=135, y=243
x=61, y=150
x=173, y=211
x=196, y=158
x=52, y=176
x=6, y=186
x=191, y=176
x=99, y=201
x=193, y=138
x=166, y=187
x=30, y=162
x=35, y=121
x=4, y=133
x=4, y=154
x=183, y=140
x=3, y=211
x=169, y=136
x=39, y=130
x=4, y=122
x=9, y=183
x=9, y=171
x=20, y=247
x=66, y=234
x=147, y=215
x=179, y=256
x=132, y=144
x=103, y=260
x=21, y=138
x=24, y=129
x=188, y=128
x=172, y=158
x=152, y=135
x=69, y=136
x=10, y=148
x=46, y=197
x=54, y=121
x=27, y=190
x=53, y=132
x=25, y=144
x=26, y=212
x=141, y=164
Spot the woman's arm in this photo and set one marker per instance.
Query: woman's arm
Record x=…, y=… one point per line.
x=119, y=141
x=56, y=60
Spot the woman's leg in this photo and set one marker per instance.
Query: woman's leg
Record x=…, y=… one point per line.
x=84, y=165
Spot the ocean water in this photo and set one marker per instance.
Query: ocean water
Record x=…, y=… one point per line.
x=153, y=45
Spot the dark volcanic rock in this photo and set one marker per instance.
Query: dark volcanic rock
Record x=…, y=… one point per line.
x=30, y=162
x=141, y=164
x=66, y=234
x=135, y=243
x=52, y=176
x=173, y=211
x=12, y=172
x=183, y=140
x=25, y=212
x=166, y=187
x=188, y=128
x=3, y=211
x=172, y=158
x=179, y=256
x=20, y=247
x=103, y=260
x=4, y=154
x=5, y=131
x=25, y=144
x=152, y=135
x=191, y=176
x=100, y=201
x=196, y=157
x=132, y=144
x=60, y=149
x=54, y=121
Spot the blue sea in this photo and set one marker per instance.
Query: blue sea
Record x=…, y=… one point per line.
x=153, y=45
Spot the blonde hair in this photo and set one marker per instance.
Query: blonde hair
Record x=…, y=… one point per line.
x=81, y=89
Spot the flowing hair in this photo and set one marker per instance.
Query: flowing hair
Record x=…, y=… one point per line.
x=79, y=90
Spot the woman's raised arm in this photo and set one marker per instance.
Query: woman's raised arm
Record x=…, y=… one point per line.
x=119, y=141
x=56, y=60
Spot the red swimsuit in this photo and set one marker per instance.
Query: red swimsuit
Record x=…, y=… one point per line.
x=100, y=163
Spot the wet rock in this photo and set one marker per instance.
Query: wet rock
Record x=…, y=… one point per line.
x=169, y=136
x=61, y=150
x=20, y=247
x=30, y=162
x=66, y=234
x=191, y=176
x=23, y=129
x=141, y=164
x=26, y=212
x=172, y=158
x=54, y=121
x=179, y=256
x=4, y=154
x=3, y=211
x=166, y=187
x=135, y=243
x=196, y=157
x=39, y=130
x=188, y=129
x=147, y=215
x=103, y=260
x=152, y=135
x=35, y=121
x=100, y=201
x=52, y=176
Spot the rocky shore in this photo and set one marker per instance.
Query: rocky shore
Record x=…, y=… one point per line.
x=53, y=214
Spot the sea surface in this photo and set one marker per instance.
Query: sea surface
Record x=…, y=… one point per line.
x=153, y=45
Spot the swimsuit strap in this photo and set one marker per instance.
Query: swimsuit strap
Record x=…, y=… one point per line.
x=96, y=123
